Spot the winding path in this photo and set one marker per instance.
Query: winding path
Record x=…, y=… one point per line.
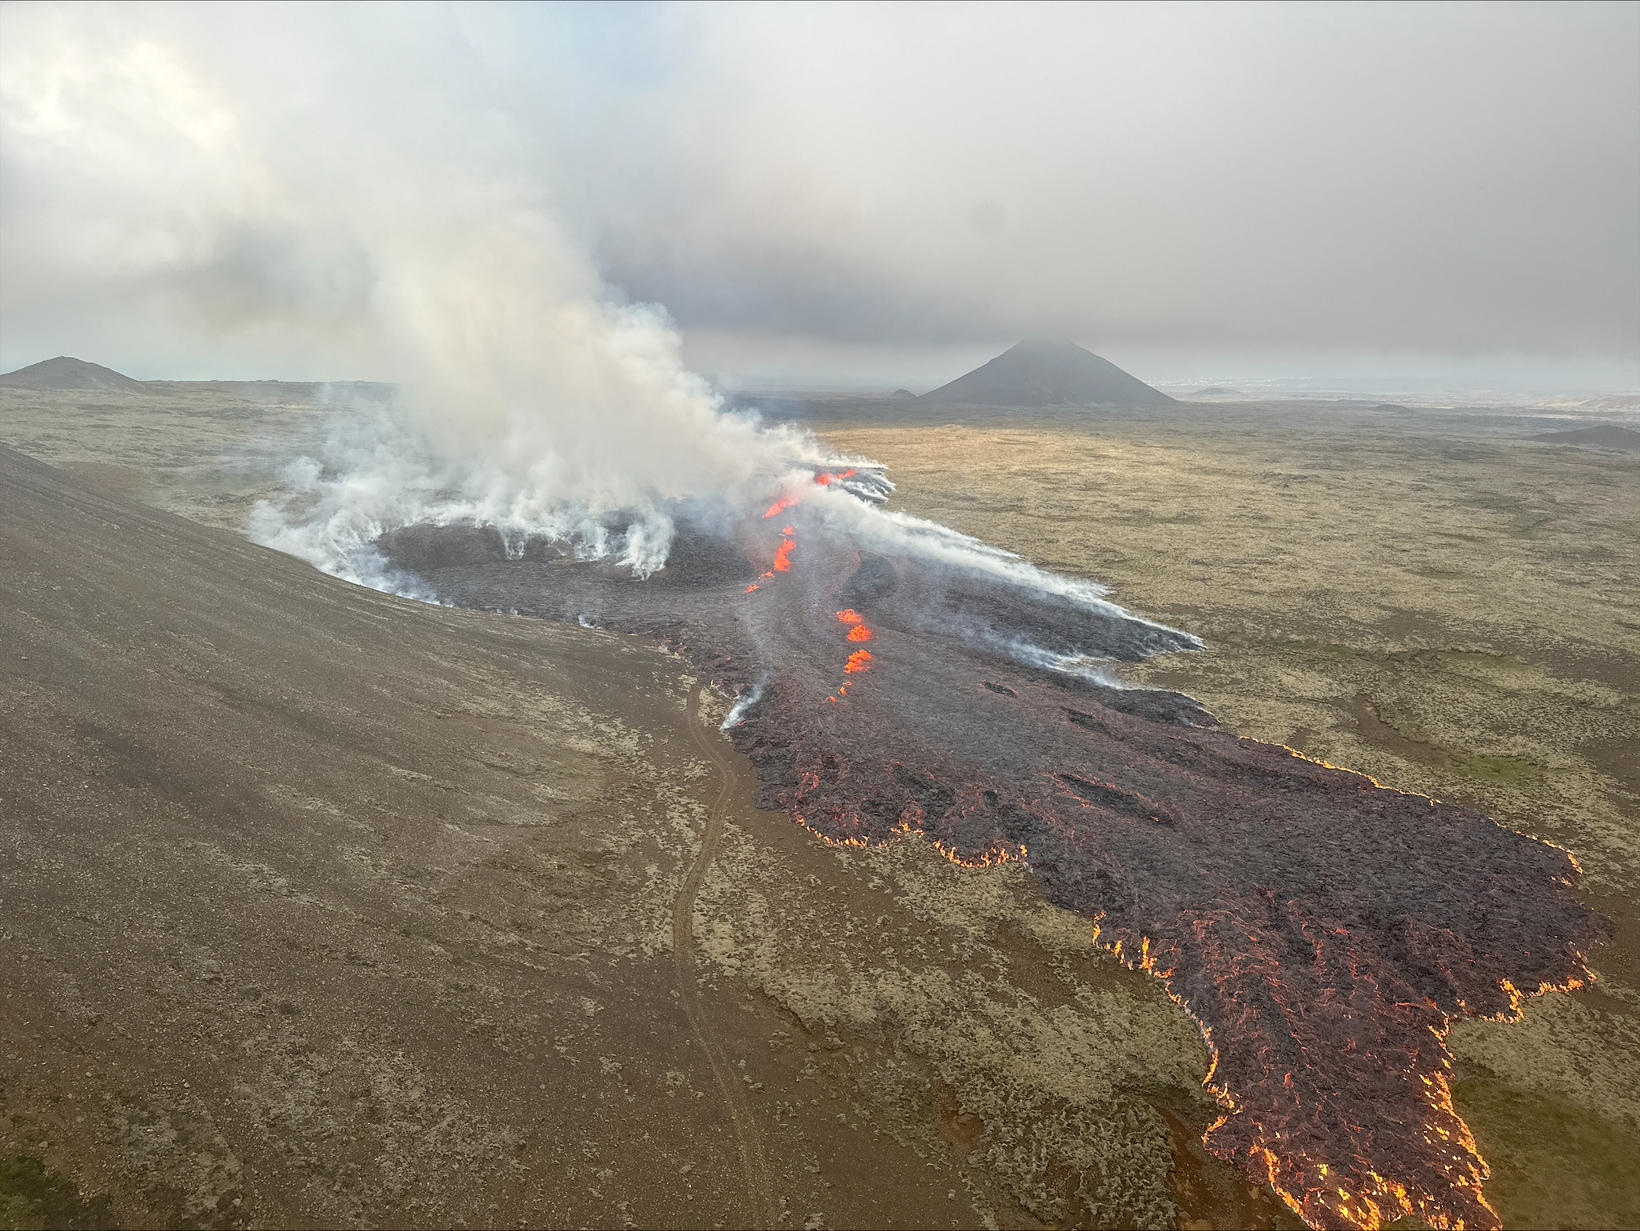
x=759, y=1190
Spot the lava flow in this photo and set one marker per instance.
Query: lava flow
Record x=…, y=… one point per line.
x=858, y=661
x=1322, y=931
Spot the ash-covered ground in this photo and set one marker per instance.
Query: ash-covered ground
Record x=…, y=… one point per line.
x=896, y=677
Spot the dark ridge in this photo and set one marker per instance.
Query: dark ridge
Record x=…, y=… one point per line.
x=1048, y=372
x=1601, y=436
x=1101, y=795
x=65, y=372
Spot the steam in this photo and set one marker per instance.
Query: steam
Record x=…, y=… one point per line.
x=274, y=174
x=743, y=704
x=943, y=550
x=262, y=174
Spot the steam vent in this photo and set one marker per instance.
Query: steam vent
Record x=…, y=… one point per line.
x=1321, y=930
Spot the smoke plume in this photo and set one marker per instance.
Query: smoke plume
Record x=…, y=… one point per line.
x=301, y=185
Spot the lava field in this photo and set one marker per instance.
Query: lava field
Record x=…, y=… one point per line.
x=895, y=678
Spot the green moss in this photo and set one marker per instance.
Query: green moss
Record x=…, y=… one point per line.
x=1554, y=1163
x=32, y=1196
x=1506, y=771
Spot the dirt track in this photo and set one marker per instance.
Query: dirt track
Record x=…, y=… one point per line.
x=320, y=907
x=760, y=1204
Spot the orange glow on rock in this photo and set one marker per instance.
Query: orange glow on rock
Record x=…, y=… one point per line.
x=857, y=661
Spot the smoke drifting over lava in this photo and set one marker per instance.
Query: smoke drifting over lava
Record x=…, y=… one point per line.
x=895, y=678
x=551, y=455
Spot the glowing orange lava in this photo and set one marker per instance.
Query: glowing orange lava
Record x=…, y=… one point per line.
x=824, y=479
x=1313, y=923
x=858, y=661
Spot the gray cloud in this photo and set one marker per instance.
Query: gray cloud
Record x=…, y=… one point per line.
x=1424, y=177
x=841, y=180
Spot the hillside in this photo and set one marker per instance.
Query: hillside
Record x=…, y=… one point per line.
x=1048, y=372
x=326, y=908
x=66, y=372
x=1601, y=436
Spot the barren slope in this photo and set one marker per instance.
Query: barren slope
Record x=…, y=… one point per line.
x=321, y=907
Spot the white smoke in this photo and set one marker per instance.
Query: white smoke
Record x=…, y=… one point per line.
x=743, y=703
x=944, y=549
x=357, y=190
x=310, y=176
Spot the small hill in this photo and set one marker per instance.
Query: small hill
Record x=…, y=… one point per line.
x=1048, y=372
x=65, y=372
x=903, y=395
x=1601, y=436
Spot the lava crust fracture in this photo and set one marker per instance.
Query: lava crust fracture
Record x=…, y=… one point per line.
x=1322, y=930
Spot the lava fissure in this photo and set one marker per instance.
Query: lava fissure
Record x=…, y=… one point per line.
x=1321, y=930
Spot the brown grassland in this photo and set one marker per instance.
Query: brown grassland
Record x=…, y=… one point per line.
x=1438, y=601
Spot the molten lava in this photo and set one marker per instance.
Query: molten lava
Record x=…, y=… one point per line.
x=857, y=630
x=1321, y=930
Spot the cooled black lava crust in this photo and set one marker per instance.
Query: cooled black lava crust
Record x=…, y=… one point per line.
x=1322, y=930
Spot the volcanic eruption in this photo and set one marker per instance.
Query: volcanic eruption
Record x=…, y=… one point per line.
x=894, y=677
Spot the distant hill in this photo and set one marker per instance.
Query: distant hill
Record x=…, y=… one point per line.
x=1602, y=436
x=1046, y=372
x=65, y=372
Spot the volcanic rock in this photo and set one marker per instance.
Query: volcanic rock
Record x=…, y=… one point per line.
x=1323, y=931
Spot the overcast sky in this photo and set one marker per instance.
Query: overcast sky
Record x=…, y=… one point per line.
x=841, y=194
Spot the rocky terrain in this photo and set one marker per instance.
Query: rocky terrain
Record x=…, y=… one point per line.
x=968, y=1028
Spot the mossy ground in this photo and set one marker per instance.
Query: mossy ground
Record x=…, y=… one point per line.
x=1432, y=600
x=33, y=1196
